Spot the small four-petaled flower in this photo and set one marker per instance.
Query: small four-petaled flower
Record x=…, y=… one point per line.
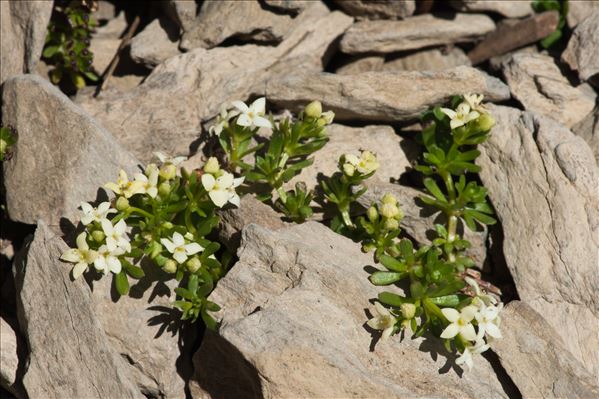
x=180, y=250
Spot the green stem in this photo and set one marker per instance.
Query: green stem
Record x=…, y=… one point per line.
x=140, y=211
x=344, y=210
x=282, y=194
x=452, y=220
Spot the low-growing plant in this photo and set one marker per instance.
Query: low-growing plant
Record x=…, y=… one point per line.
x=561, y=6
x=7, y=139
x=67, y=43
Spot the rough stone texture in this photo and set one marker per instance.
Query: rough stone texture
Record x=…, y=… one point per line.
x=542, y=181
x=62, y=155
x=247, y=20
x=293, y=6
x=382, y=96
x=393, y=152
x=397, y=9
x=507, y=8
x=588, y=129
x=414, y=33
x=198, y=82
x=23, y=31
x=536, y=359
x=182, y=12
x=582, y=53
x=362, y=64
x=11, y=358
x=428, y=60
x=417, y=221
x=233, y=220
x=70, y=356
x=580, y=9
x=106, y=41
x=293, y=315
x=536, y=81
x=146, y=331
x=156, y=43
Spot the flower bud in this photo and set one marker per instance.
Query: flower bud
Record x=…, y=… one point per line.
x=349, y=169
x=164, y=189
x=368, y=247
x=328, y=117
x=3, y=146
x=391, y=224
x=408, y=310
x=98, y=235
x=313, y=110
x=389, y=199
x=167, y=225
x=485, y=122
x=168, y=171
x=122, y=203
x=372, y=214
x=170, y=266
x=389, y=210
x=150, y=169
x=193, y=264
x=212, y=166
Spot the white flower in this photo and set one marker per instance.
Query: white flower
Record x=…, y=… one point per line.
x=179, y=249
x=108, y=260
x=481, y=299
x=466, y=357
x=222, y=189
x=367, y=163
x=475, y=102
x=81, y=256
x=116, y=235
x=123, y=185
x=147, y=184
x=164, y=159
x=460, y=323
x=488, y=321
x=384, y=320
x=460, y=116
x=253, y=115
x=90, y=214
x=222, y=119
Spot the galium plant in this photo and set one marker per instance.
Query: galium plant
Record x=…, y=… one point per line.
x=162, y=218
x=288, y=151
x=67, y=43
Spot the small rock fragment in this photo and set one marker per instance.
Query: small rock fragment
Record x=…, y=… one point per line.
x=397, y=9
x=579, y=10
x=582, y=53
x=11, y=357
x=428, y=60
x=156, y=43
x=588, y=129
x=361, y=64
x=507, y=8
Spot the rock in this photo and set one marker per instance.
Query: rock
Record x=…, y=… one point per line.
x=293, y=315
x=23, y=31
x=536, y=359
x=393, y=152
x=11, y=358
x=507, y=8
x=70, y=356
x=550, y=220
x=418, y=223
x=182, y=12
x=246, y=20
x=62, y=155
x=198, y=82
x=414, y=33
x=536, y=81
x=292, y=6
x=382, y=96
x=397, y=9
x=156, y=43
x=105, y=42
x=233, y=220
x=582, y=53
x=105, y=11
x=588, y=129
x=428, y=60
x=361, y=64
x=580, y=9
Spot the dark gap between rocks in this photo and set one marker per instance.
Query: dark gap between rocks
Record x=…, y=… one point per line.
x=508, y=385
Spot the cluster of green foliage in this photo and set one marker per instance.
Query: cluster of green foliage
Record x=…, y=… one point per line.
x=67, y=44
x=560, y=6
x=7, y=139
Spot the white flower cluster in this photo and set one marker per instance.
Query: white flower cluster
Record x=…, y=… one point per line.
x=220, y=184
x=470, y=109
x=251, y=116
x=365, y=164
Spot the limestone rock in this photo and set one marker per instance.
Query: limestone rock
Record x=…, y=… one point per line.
x=542, y=181
x=105, y=42
x=382, y=96
x=507, y=8
x=361, y=64
x=536, y=359
x=414, y=33
x=220, y=20
x=11, y=358
x=397, y=9
x=198, y=82
x=428, y=60
x=62, y=155
x=536, y=81
x=588, y=129
x=293, y=6
x=23, y=29
x=293, y=315
x=156, y=43
x=580, y=9
x=70, y=356
x=582, y=53
x=182, y=12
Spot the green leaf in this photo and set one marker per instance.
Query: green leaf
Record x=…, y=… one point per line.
x=391, y=299
x=184, y=293
x=446, y=301
x=50, y=51
x=209, y=321
x=385, y=278
x=392, y=263
x=133, y=271
x=122, y=283
x=434, y=189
